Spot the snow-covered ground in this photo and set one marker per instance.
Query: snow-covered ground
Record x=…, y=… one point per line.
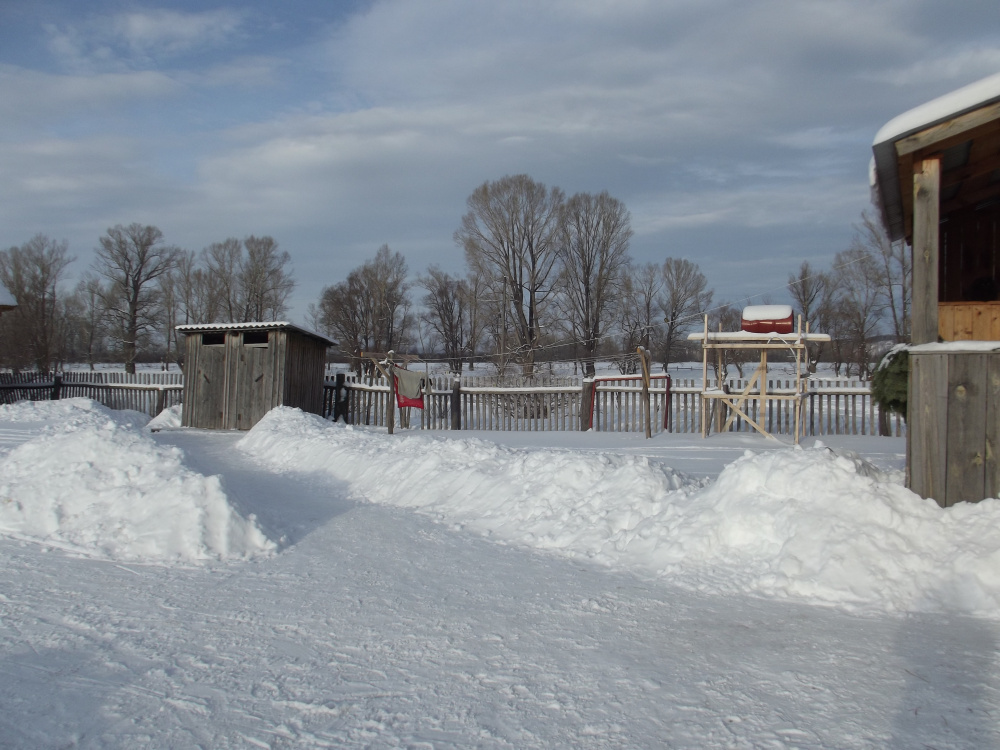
x=314, y=585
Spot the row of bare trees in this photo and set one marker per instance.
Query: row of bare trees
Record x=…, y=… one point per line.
x=551, y=276
x=546, y=276
x=137, y=290
x=541, y=270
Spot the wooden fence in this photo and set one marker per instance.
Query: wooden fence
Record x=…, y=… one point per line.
x=607, y=404
x=149, y=392
x=611, y=404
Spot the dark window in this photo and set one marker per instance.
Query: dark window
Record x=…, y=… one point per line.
x=255, y=338
x=213, y=339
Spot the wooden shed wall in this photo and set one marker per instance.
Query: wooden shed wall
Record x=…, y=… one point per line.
x=304, y=371
x=234, y=384
x=204, y=384
x=954, y=426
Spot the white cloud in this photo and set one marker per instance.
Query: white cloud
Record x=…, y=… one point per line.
x=245, y=72
x=809, y=202
x=702, y=115
x=945, y=67
x=157, y=32
x=139, y=38
x=29, y=97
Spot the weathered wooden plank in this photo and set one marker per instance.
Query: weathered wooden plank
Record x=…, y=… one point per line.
x=966, y=428
x=991, y=465
x=927, y=422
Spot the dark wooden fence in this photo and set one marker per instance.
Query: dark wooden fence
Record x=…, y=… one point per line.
x=609, y=404
x=149, y=392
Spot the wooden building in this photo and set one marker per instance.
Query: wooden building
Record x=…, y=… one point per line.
x=234, y=373
x=936, y=177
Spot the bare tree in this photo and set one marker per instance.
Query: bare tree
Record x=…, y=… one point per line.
x=132, y=259
x=728, y=317
x=264, y=281
x=171, y=300
x=476, y=314
x=31, y=274
x=91, y=318
x=857, y=304
x=198, y=303
x=895, y=271
x=509, y=236
x=445, y=313
x=810, y=291
x=684, y=300
x=636, y=313
x=339, y=314
x=222, y=262
x=593, y=247
x=370, y=310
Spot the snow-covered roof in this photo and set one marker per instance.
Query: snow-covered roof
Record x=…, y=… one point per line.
x=767, y=312
x=952, y=347
x=957, y=102
x=745, y=336
x=7, y=300
x=253, y=326
x=883, y=170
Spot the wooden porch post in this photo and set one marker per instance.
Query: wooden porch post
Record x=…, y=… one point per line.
x=926, y=218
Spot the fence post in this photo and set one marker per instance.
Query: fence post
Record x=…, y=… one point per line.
x=339, y=397
x=668, y=408
x=56, y=386
x=646, y=363
x=456, y=403
x=160, y=397
x=586, y=404
x=721, y=411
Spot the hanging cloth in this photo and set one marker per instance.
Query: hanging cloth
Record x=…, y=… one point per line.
x=409, y=387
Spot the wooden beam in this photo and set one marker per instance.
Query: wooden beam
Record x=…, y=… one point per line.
x=956, y=126
x=926, y=207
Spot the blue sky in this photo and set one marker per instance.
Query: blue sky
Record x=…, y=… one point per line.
x=737, y=133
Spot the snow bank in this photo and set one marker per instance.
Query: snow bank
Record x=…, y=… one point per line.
x=807, y=524
x=168, y=419
x=94, y=483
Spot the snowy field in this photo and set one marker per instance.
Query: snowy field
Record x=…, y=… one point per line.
x=315, y=585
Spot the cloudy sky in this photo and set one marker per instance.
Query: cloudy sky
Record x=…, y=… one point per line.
x=737, y=132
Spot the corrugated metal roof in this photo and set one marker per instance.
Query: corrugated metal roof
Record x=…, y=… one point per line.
x=253, y=326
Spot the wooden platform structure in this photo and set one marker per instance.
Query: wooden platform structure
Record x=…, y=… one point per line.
x=234, y=373
x=738, y=404
x=936, y=178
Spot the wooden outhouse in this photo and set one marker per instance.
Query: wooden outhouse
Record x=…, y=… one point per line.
x=234, y=373
x=936, y=177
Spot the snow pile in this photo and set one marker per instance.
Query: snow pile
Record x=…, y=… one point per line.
x=832, y=529
x=69, y=413
x=94, y=483
x=168, y=419
x=800, y=523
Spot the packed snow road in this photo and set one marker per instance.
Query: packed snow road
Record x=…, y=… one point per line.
x=376, y=626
